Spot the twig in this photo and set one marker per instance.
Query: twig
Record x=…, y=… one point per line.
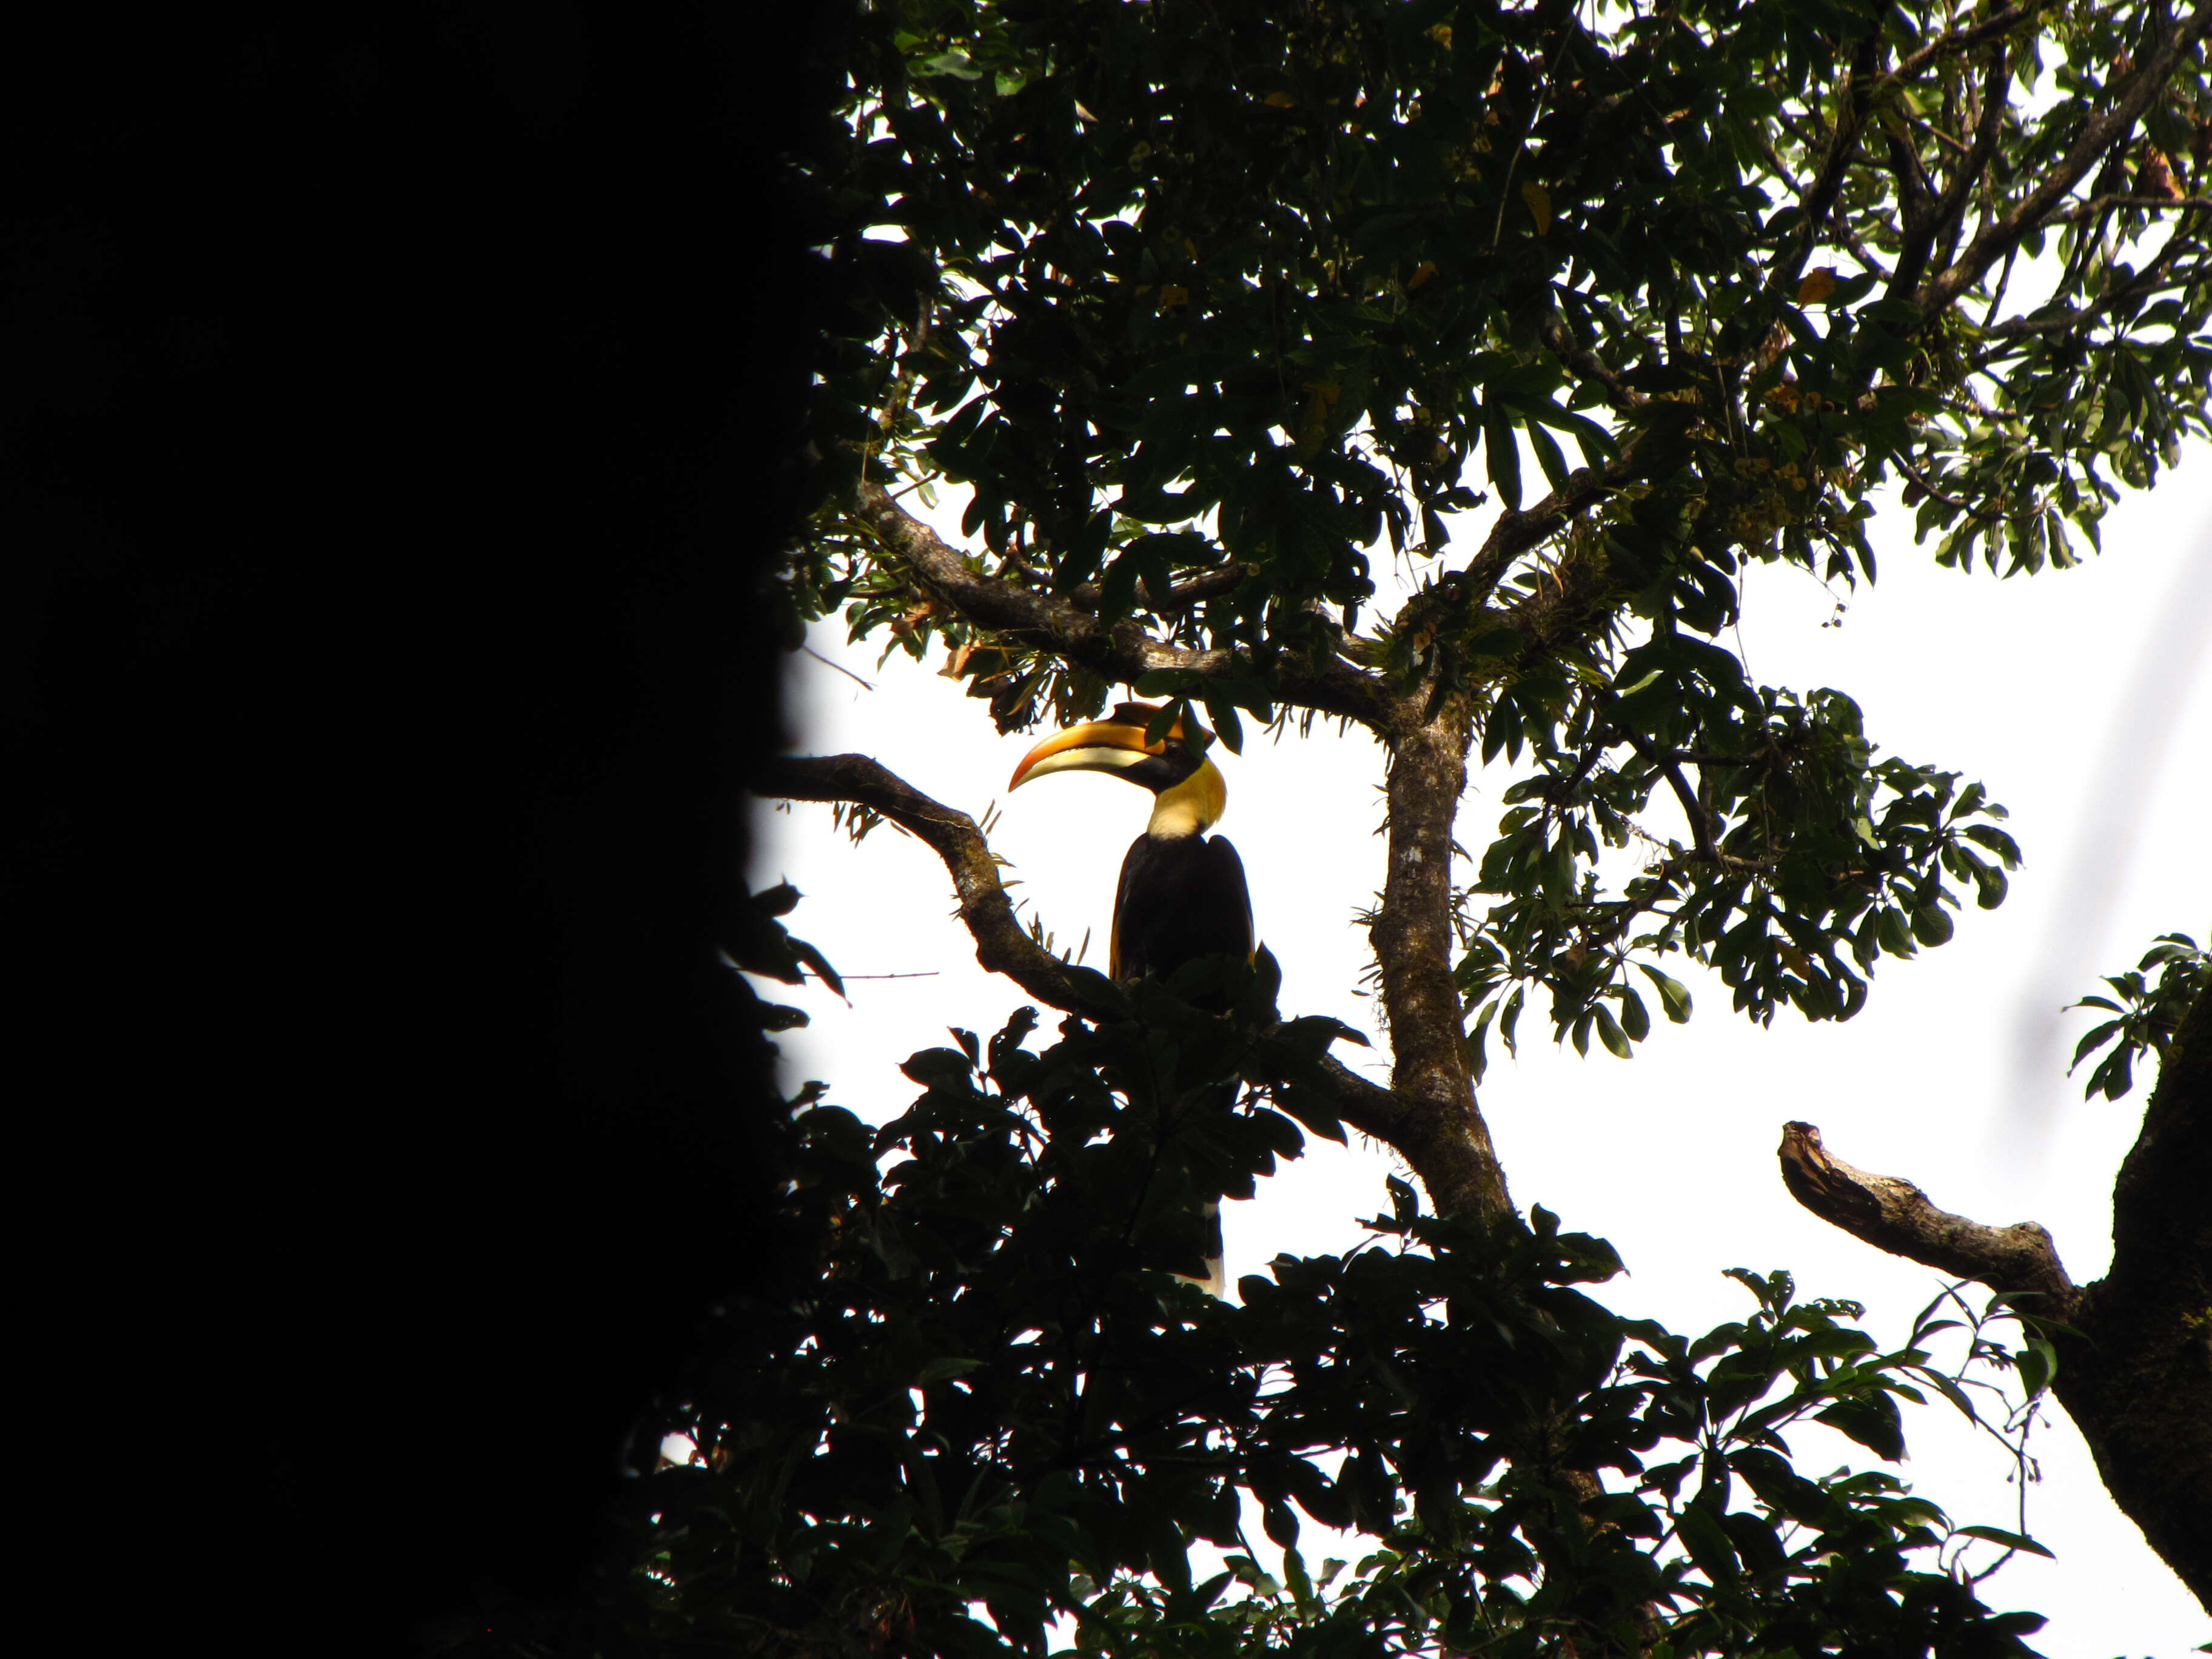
x=849, y=674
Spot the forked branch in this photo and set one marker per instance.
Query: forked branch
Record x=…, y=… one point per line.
x=1121, y=651
x=1437, y=1151
x=2130, y=99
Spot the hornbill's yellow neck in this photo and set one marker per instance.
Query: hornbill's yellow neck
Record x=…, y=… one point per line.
x=1191, y=808
x=1189, y=794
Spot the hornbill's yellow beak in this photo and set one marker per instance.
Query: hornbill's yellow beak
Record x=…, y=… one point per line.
x=1189, y=791
x=1110, y=746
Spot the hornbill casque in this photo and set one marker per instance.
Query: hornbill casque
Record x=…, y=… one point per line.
x=1182, y=894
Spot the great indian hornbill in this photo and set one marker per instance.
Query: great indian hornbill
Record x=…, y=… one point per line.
x=1183, y=894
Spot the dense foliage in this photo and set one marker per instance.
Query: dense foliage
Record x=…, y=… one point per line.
x=1214, y=307
x=1229, y=317
x=997, y=1419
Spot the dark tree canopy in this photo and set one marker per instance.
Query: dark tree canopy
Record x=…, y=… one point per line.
x=1216, y=307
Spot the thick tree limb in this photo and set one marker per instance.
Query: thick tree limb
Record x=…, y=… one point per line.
x=1003, y=946
x=1121, y=652
x=1001, y=943
x=1941, y=223
x=1196, y=590
x=1413, y=941
x=1457, y=600
x=2135, y=1372
x=2163, y=1200
x=1563, y=343
x=2146, y=1383
x=1894, y=1215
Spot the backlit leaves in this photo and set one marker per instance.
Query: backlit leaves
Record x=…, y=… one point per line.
x=999, y=1412
x=2146, y=1012
x=1254, y=298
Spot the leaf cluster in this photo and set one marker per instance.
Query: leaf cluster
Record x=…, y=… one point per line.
x=996, y=1420
x=1284, y=278
x=1212, y=309
x=1805, y=858
x=2146, y=1014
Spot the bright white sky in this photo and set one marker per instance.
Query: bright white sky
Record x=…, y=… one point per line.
x=2080, y=698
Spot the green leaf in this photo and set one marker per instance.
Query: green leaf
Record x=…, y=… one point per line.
x=1633, y=1018
x=1990, y=887
x=1166, y=683
x=1502, y=453
x=2011, y=1540
x=1554, y=463
x=1932, y=924
x=1872, y=1420
x=1226, y=725
x=1673, y=996
x=955, y=63
x=1609, y=1031
x=2038, y=1365
x=1708, y=1543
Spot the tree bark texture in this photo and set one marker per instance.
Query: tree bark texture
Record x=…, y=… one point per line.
x=2135, y=1365
x=1413, y=941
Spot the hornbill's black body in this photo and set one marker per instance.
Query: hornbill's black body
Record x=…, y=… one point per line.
x=1183, y=894
x=1180, y=898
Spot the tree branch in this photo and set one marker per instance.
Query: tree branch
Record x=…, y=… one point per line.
x=1943, y=219
x=2099, y=205
x=1894, y=1215
x=2142, y=1393
x=1001, y=943
x=1457, y=597
x=1558, y=334
x=2135, y=1369
x=1853, y=98
x=2147, y=281
x=1963, y=39
x=1667, y=764
x=1413, y=934
x=2161, y=1219
x=1194, y=590
x=1445, y=1163
x=2097, y=137
x=1123, y=652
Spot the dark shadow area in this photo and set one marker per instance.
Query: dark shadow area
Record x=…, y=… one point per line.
x=404, y=410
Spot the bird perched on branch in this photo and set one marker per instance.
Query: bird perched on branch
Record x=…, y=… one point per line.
x=1183, y=894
